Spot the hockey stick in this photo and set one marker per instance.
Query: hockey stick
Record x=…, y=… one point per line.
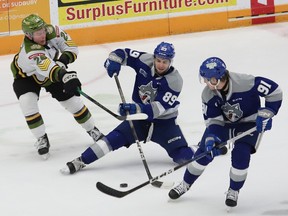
x=119, y=194
x=138, y=116
x=154, y=183
x=259, y=140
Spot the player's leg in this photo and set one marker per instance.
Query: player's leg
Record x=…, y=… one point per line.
x=77, y=108
x=195, y=168
x=169, y=136
x=121, y=136
x=27, y=92
x=240, y=156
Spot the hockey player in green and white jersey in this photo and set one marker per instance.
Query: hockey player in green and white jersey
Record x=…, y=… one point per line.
x=42, y=62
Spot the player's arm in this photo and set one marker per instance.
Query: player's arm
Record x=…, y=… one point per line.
x=154, y=109
x=270, y=91
x=164, y=104
x=212, y=114
x=273, y=99
x=62, y=41
x=120, y=57
x=46, y=67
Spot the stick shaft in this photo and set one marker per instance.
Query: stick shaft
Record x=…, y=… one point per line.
x=157, y=184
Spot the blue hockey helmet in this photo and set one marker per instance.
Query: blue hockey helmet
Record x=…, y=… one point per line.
x=165, y=50
x=213, y=67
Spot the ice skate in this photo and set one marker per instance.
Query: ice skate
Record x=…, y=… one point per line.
x=42, y=145
x=179, y=190
x=73, y=166
x=95, y=134
x=231, y=198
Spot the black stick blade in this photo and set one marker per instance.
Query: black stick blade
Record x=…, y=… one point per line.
x=116, y=193
x=157, y=184
x=110, y=191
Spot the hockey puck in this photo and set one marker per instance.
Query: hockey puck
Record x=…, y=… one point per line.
x=123, y=185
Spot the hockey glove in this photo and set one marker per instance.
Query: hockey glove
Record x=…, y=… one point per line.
x=66, y=58
x=112, y=67
x=211, y=143
x=61, y=64
x=131, y=108
x=71, y=82
x=114, y=61
x=264, y=119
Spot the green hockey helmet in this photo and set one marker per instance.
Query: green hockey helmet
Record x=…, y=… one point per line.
x=32, y=23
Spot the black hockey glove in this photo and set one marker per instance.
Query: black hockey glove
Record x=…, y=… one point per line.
x=61, y=64
x=64, y=59
x=71, y=82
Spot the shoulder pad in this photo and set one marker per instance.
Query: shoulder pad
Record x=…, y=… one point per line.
x=51, y=32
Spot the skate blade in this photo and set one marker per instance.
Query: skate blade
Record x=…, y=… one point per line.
x=65, y=171
x=45, y=156
x=167, y=185
x=228, y=209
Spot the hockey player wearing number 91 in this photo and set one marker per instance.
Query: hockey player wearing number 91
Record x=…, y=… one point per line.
x=40, y=65
x=156, y=89
x=231, y=105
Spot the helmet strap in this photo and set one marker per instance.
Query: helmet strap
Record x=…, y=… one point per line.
x=29, y=35
x=225, y=88
x=215, y=86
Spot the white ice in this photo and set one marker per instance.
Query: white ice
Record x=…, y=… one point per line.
x=30, y=186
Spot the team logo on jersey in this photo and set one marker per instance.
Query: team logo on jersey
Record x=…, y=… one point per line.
x=35, y=47
x=232, y=112
x=43, y=63
x=147, y=93
x=35, y=55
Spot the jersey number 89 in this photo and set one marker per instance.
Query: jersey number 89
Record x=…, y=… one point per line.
x=169, y=98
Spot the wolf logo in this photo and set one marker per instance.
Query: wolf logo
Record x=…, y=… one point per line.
x=147, y=93
x=232, y=112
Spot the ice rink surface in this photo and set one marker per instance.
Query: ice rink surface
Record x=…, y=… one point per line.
x=33, y=187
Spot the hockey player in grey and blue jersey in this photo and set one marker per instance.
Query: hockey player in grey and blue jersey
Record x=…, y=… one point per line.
x=231, y=105
x=156, y=89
